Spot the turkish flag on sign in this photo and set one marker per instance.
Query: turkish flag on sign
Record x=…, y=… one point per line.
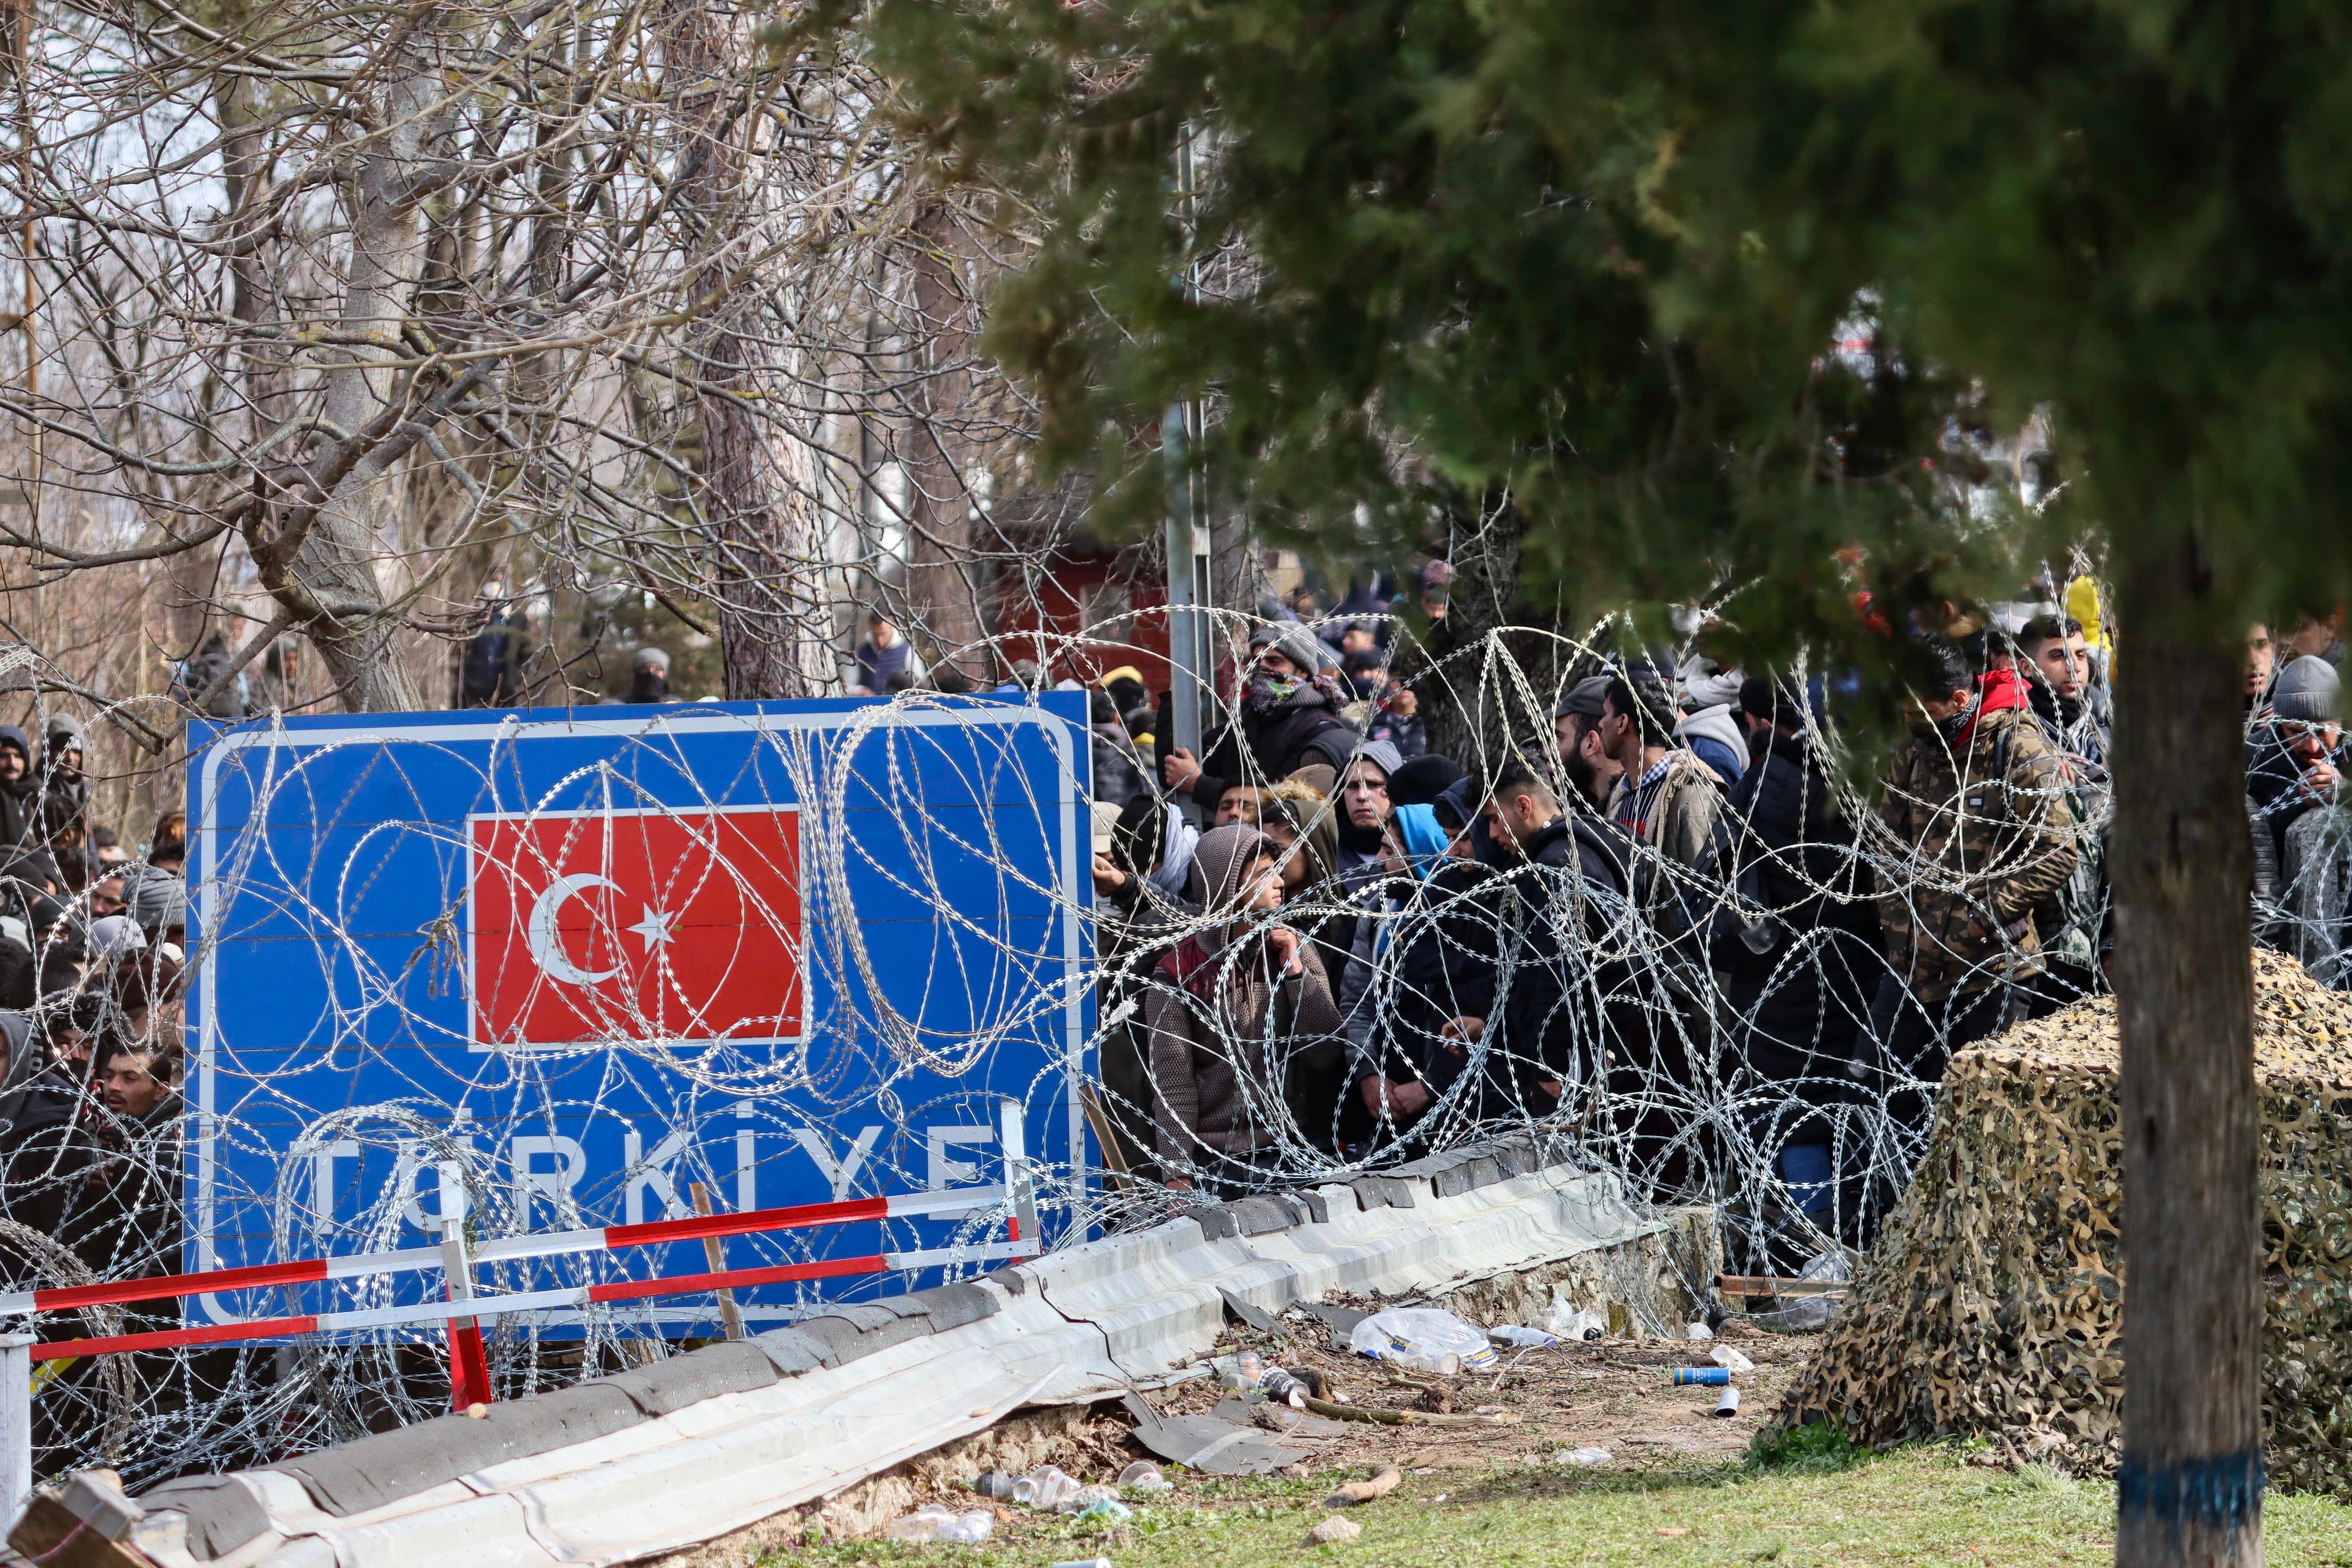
x=675, y=925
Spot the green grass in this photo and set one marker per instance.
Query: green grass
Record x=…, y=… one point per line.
x=1919, y=1506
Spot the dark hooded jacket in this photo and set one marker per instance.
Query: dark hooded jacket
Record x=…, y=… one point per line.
x=65, y=787
x=1556, y=1003
x=1271, y=740
x=45, y=1147
x=20, y=797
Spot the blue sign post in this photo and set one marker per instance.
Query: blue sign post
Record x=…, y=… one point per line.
x=551, y=970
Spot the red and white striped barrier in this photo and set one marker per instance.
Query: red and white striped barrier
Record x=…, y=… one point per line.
x=457, y=1260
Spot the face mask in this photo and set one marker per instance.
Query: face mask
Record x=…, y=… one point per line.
x=1269, y=690
x=1952, y=728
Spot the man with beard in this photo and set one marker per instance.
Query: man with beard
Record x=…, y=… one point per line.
x=2074, y=717
x=1978, y=801
x=1289, y=720
x=127, y=1222
x=20, y=792
x=1592, y=772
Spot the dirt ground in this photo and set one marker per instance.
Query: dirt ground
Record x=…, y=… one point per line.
x=1615, y=1394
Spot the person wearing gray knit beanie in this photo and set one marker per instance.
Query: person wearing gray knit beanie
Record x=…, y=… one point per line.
x=2307, y=691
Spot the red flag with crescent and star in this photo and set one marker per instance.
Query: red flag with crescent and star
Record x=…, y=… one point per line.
x=677, y=925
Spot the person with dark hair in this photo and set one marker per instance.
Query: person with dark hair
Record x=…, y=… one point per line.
x=1127, y=693
x=20, y=791
x=1367, y=673
x=1800, y=953
x=2072, y=709
x=43, y=1141
x=107, y=844
x=1396, y=719
x=1140, y=892
x=1573, y=871
x=124, y=1222
x=883, y=654
x=1119, y=767
x=65, y=788
x=1238, y=803
x=1979, y=801
x=1289, y=718
x=1233, y=1008
x=1587, y=766
x=1667, y=800
x=1421, y=779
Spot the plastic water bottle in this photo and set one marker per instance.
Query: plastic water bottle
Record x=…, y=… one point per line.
x=1512, y=1334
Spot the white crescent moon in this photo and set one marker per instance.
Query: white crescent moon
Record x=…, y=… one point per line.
x=546, y=950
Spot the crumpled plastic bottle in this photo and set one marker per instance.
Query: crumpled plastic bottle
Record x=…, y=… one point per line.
x=1571, y=1323
x=934, y=1522
x=1427, y=1339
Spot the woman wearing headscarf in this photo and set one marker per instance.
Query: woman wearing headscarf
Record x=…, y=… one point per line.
x=1236, y=1009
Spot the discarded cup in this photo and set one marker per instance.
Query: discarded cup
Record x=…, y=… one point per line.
x=1238, y=1373
x=1084, y=1562
x=1143, y=1476
x=1730, y=1360
x=1729, y=1404
x=1512, y=1334
x=1701, y=1377
x=933, y=1523
x=994, y=1485
x=1084, y=1498
x=1581, y=1456
x=1698, y=1331
x=1043, y=1488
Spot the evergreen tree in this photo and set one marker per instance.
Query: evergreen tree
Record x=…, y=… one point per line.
x=1596, y=259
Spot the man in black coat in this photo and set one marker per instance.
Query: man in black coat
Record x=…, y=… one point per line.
x=1570, y=876
x=1289, y=718
x=1799, y=947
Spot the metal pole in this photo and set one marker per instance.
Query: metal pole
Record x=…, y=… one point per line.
x=1191, y=656
x=16, y=1427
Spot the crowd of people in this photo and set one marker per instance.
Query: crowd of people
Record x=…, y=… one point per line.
x=92, y=967
x=1670, y=933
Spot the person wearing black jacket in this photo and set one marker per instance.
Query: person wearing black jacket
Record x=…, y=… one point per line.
x=1799, y=947
x=1558, y=1022
x=20, y=792
x=1438, y=969
x=1289, y=718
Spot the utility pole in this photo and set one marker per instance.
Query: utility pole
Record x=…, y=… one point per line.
x=1191, y=658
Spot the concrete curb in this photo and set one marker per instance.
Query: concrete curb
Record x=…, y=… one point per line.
x=684, y=1450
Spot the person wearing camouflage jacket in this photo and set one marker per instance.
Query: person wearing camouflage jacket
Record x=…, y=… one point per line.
x=1982, y=812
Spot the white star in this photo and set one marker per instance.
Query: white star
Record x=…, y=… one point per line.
x=654, y=929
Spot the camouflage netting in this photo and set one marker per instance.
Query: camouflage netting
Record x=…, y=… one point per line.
x=1992, y=1304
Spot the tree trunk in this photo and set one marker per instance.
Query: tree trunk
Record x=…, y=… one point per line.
x=767, y=543
x=942, y=588
x=2189, y=1489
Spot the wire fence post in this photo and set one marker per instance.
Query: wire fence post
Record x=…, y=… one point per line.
x=1020, y=1191
x=16, y=1427
x=470, y=1369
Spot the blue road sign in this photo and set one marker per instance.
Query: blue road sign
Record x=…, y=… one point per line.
x=557, y=969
